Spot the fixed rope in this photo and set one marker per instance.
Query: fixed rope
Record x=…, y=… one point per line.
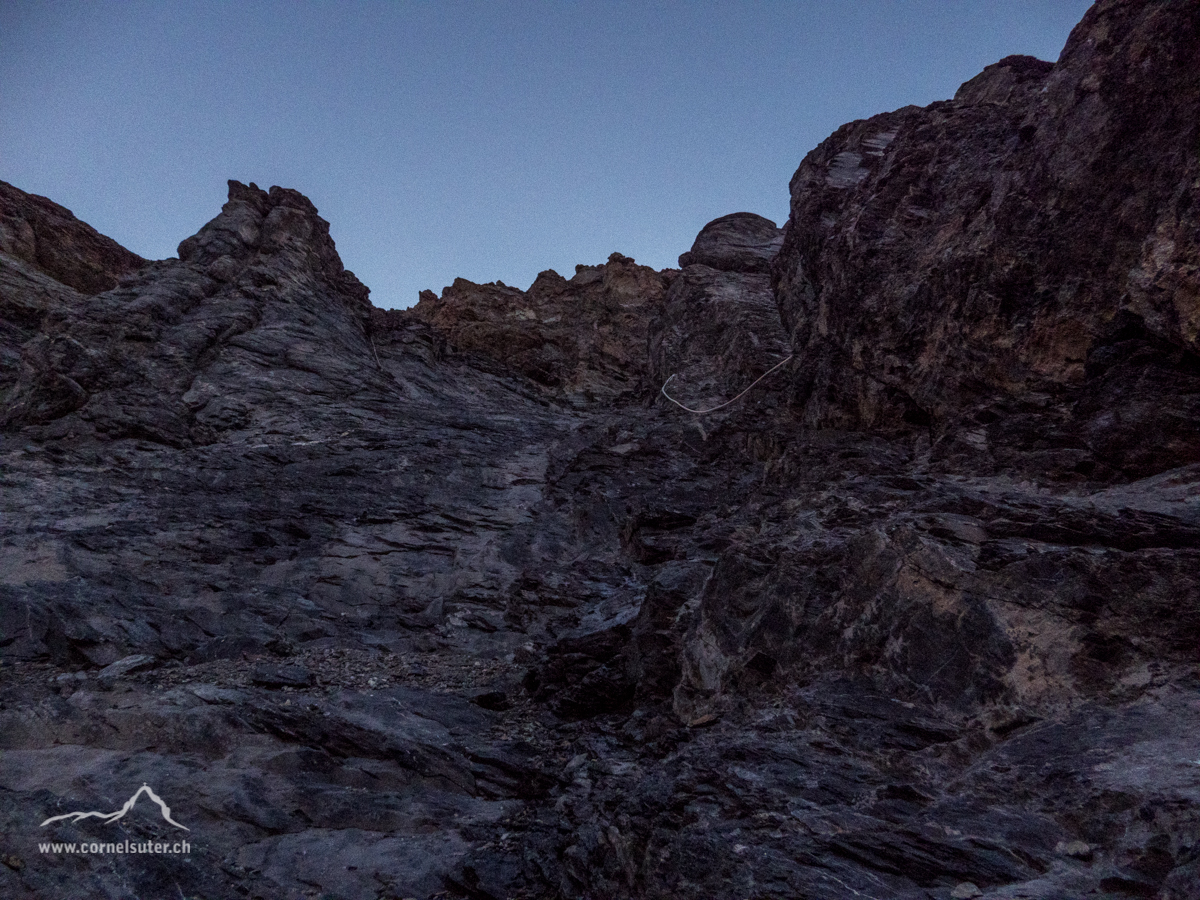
x=727, y=402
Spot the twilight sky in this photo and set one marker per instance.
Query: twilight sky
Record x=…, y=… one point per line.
x=488, y=140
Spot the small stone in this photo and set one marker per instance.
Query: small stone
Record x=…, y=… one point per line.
x=269, y=675
x=210, y=693
x=576, y=761
x=125, y=666
x=1074, y=849
x=965, y=891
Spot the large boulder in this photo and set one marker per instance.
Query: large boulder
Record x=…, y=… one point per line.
x=738, y=242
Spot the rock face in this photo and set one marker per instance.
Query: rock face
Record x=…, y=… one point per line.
x=49, y=238
x=48, y=258
x=453, y=602
x=720, y=329
x=259, y=288
x=1016, y=268
x=741, y=242
x=584, y=336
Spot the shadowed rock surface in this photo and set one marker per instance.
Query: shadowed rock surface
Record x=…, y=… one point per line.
x=452, y=602
x=1017, y=267
x=49, y=238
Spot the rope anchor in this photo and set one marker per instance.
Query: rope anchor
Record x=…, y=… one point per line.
x=727, y=402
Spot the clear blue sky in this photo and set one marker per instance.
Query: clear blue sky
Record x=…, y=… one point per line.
x=488, y=140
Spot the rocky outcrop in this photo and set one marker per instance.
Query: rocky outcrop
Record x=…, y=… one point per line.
x=49, y=238
x=259, y=236
x=720, y=328
x=48, y=258
x=258, y=291
x=582, y=337
x=740, y=242
x=453, y=602
x=972, y=267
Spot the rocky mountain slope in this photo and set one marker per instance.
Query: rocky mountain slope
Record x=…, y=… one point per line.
x=454, y=602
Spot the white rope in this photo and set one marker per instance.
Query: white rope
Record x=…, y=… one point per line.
x=727, y=402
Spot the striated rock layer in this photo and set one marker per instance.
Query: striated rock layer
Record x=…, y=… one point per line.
x=453, y=601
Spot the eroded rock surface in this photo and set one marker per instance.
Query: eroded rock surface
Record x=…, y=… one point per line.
x=720, y=328
x=452, y=602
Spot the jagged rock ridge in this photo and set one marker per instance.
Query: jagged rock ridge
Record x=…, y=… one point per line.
x=584, y=335
x=396, y=603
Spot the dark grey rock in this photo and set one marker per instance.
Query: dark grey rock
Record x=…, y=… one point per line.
x=124, y=666
x=739, y=242
x=913, y=613
x=270, y=675
x=48, y=237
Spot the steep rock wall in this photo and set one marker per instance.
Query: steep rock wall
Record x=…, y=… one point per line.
x=1017, y=266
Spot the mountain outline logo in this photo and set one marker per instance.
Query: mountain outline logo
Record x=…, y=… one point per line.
x=108, y=818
